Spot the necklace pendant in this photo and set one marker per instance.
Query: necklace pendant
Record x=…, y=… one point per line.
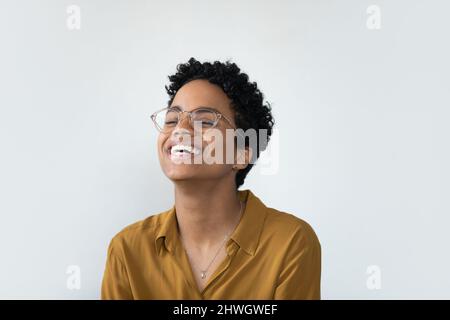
x=203, y=274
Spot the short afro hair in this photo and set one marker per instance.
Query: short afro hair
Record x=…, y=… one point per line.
x=247, y=101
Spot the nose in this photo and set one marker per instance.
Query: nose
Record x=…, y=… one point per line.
x=182, y=124
x=183, y=127
x=180, y=131
x=180, y=135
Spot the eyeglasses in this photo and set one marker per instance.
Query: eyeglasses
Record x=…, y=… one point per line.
x=167, y=119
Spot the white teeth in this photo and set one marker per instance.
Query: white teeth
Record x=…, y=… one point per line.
x=179, y=148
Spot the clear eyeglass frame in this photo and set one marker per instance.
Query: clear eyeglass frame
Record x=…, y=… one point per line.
x=191, y=115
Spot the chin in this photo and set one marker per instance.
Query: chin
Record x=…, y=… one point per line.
x=176, y=174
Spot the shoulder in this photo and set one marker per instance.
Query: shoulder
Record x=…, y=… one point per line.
x=288, y=229
x=133, y=234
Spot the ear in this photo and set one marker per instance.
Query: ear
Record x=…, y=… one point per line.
x=243, y=158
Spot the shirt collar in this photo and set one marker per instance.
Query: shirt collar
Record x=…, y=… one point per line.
x=246, y=235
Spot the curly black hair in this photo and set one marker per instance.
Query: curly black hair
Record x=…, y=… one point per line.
x=247, y=101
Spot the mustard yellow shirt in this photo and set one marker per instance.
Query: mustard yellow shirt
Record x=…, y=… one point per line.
x=270, y=255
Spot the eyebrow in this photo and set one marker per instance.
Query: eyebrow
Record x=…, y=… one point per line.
x=200, y=107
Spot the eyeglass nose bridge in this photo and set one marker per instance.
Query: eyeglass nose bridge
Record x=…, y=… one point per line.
x=180, y=118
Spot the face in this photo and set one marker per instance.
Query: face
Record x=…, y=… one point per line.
x=195, y=94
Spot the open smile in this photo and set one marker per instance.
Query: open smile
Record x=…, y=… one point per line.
x=180, y=151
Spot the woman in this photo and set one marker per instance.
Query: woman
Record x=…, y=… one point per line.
x=216, y=242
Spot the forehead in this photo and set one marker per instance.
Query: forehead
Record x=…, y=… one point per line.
x=202, y=93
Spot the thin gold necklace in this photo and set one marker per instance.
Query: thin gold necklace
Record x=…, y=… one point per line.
x=203, y=272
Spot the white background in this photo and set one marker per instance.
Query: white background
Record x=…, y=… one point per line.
x=362, y=116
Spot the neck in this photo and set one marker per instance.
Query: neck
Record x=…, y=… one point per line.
x=206, y=212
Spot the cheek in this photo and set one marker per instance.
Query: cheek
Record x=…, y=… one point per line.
x=159, y=145
x=218, y=158
x=222, y=151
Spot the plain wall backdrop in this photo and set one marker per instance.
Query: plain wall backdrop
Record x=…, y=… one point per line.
x=362, y=116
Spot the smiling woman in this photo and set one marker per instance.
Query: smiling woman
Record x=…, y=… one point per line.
x=216, y=242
